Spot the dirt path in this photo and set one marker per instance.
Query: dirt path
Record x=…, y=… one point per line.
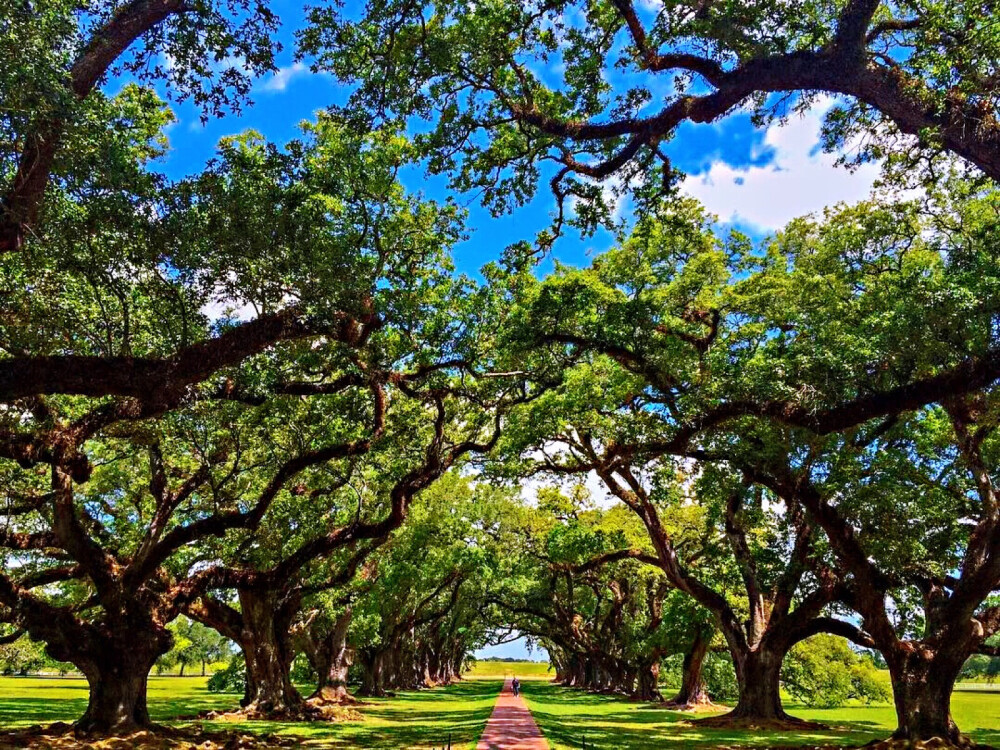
x=511, y=727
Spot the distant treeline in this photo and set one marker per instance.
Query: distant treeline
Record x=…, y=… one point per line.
x=511, y=660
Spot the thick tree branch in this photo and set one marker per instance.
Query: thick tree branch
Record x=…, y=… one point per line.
x=19, y=207
x=833, y=626
x=612, y=557
x=156, y=382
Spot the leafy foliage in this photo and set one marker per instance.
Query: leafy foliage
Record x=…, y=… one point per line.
x=22, y=656
x=823, y=671
x=232, y=679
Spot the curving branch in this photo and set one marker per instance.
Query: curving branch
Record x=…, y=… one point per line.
x=844, y=67
x=834, y=626
x=156, y=382
x=20, y=205
x=611, y=557
x=220, y=523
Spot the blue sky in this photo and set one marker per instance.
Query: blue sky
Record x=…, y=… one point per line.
x=752, y=178
x=514, y=650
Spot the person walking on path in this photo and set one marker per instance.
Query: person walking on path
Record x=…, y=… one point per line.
x=516, y=685
x=511, y=727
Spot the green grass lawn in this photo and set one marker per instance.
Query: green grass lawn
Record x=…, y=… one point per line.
x=425, y=719
x=566, y=715
x=421, y=719
x=525, y=670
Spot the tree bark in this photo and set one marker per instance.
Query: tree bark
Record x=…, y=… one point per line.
x=647, y=687
x=435, y=665
x=332, y=661
x=922, y=685
x=373, y=675
x=577, y=671
x=628, y=679
x=264, y=640
x=758, y=673
x=693, y=692
x=558, y=662
x=115, y=656
x=117, y=678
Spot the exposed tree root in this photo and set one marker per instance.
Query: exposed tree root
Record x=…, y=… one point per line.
x=785, y=724
x=330, y=697
x=310, y=710
x=63, y=736
x=934, y=743
x=694, y=707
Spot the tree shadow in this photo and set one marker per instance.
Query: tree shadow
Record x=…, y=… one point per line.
x=412, y=719
x=571, y=717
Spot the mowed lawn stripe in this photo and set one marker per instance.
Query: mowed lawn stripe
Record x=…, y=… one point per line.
x=567, y=717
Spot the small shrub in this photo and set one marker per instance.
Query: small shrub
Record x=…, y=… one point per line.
x=302, y=671
x=824, y=671
x=232, y=679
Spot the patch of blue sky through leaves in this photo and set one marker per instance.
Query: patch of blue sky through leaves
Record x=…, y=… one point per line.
x=754, y=179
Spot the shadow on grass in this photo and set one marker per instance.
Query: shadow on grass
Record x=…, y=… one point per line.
x=989, y=737
x=426, y=718
x=569, y=717
x=18, y=711
x=409, y=720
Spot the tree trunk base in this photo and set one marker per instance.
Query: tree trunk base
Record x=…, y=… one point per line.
x=86, y=727
x=308, y=711
x=654, y=697
x=258, y=711
x=332, y=697
x=695, y=706
x=934, y=743
x=734, y=720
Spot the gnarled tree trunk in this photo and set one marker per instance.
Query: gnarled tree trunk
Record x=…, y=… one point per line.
x=577, y=671
x=759, y=677
x=373, y=675
x=117, y=701
x=456, y=664
x=117, y=668
x=435, y=664
x=647, y=684
x=332, y=658
x=922, y=684
x=627, y=679
x=558, y=662
x=693, y=693
x=264, y=639
x=758, y=672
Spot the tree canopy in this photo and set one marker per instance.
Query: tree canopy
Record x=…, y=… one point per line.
x=258, y=403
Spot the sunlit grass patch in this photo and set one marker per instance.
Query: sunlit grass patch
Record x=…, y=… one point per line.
x=568, y=717
x=420, y=719
x=523, y=670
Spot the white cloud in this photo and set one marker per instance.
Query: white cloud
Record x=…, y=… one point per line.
x=224, y=305
x=800, y=180
x=283, y=76
x=599, y=493
x=223, y=309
